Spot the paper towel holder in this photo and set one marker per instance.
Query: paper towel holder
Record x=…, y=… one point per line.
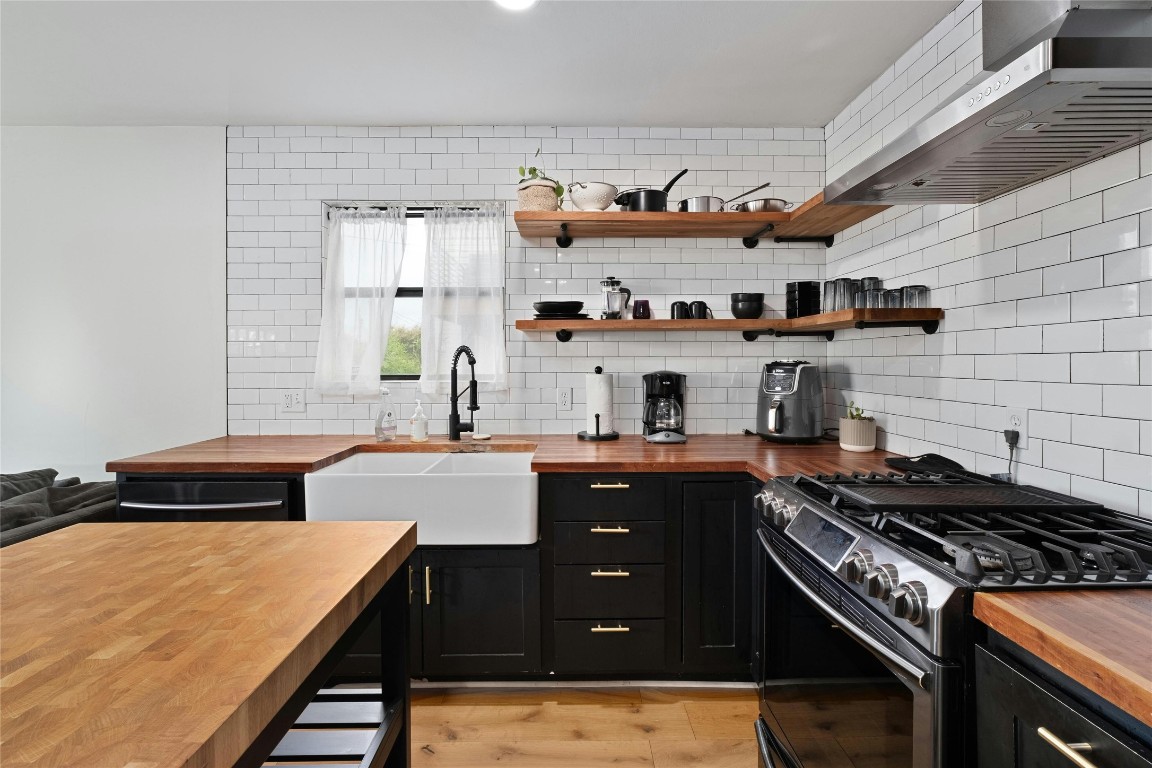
x=598, y=436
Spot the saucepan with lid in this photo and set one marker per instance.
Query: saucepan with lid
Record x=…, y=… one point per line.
x=647, y=199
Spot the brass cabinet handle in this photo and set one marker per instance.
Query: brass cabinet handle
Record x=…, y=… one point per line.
x=599, y=628
x=410, y=569
x=610, y=573
x=610, y=486
x=1070, y=751
x=617, y=529
x=427, y=585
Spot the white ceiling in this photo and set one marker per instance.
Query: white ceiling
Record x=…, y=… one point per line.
x=453, y=62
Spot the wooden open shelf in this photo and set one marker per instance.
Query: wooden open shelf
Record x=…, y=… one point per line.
x=825, y=324
x=812, y=220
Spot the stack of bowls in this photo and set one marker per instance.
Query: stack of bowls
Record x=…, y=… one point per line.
x=747, y=306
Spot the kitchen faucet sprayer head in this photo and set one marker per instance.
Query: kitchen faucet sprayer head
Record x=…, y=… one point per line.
x=463, y=350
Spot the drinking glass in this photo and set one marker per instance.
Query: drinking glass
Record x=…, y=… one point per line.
x=916, y=296
x=894, y=298
x=846, y=293
x=829, y=302
x=870, y=283
x=873, y=298
x=641, y=310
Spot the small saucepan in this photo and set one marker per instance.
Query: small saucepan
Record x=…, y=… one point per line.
x=647, y=199
x=762, y=205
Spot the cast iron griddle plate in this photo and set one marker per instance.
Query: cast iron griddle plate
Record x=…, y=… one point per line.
x=941, y=498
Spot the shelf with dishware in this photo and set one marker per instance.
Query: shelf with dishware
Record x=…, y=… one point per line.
x=811, y=221
x=822, y=325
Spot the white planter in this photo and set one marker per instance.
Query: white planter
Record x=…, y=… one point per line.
x=858, y=435
x=537, y=195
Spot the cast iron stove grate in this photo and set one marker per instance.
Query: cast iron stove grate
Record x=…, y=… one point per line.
x=898, y=498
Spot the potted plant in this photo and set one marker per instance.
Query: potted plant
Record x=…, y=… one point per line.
x=537, y=192
x=857, y=431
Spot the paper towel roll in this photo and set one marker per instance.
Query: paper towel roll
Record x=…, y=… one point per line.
x=599, y=387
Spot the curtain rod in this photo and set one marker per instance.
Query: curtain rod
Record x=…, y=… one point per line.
x=422, y=206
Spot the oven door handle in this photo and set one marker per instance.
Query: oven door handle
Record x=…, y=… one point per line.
x=769, y=745
x=921, y=677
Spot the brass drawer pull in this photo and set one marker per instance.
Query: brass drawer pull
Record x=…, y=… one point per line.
x=610, y=573
x=599, y=628
x=1070, y=751
x=617, y=529
x=610, y=486
x=427, y=585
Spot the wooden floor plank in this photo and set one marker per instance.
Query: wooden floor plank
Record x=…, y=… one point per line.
x=532, y=754
x=725, y=753
x=551, y=722
x=722, y=719
x=627, y=697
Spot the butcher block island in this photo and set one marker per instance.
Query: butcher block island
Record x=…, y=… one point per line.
x=192, y=644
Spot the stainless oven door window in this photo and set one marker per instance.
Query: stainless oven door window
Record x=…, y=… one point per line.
x=907, y=718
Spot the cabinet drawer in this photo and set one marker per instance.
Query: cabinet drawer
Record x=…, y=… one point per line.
x=617, y=497
x=609, y=646
x=200, y=501
x=614, y=591
x=628, y=541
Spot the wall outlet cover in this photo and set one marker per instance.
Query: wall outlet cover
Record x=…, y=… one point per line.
x=1017, y=419
x=564, y=399
x=291, y=401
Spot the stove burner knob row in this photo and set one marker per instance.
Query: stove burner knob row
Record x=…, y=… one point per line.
x=879, y=581
x=909, y=601
x=856, y=565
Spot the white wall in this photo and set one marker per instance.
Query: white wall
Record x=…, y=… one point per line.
x=112, y=298
x=1047, y=293
x=278, y=177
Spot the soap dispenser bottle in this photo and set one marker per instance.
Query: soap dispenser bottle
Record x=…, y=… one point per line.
x=386, y=417
x=419, y=424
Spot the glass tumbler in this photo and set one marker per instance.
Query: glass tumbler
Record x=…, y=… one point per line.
x=846, y=293
x=916, y=296
x=829, y=303
x=873, y=298
x=870, y=283
x=894, y=298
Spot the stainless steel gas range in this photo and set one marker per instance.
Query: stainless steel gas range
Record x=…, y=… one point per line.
x=868, y=635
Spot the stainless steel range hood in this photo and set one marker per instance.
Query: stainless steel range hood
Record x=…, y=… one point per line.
x=1070, y=84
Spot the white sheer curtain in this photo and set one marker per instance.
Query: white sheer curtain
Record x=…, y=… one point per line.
x=464, y=295
x=364, y=251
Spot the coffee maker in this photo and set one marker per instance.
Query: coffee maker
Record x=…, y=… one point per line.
x=664, y=407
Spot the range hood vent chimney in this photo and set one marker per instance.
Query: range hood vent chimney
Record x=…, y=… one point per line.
x=1063, y=85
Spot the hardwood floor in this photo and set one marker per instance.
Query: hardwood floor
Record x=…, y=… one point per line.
x=584, y=728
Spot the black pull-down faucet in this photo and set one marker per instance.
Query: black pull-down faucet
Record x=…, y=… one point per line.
x=455, y=426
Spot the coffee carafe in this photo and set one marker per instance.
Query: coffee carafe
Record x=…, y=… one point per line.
x=664, y=407
x=616, y=298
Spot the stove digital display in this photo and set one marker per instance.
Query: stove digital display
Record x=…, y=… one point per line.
x=821, y=536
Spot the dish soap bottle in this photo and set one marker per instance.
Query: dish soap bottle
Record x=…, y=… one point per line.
x=386, y=418
x=419, y=424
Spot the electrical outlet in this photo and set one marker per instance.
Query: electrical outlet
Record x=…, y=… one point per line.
x=292, y=401
x=564, y=399
x=1017, y=419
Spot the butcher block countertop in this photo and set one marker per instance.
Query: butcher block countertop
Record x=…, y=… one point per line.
x=138, y=644
x=1098, y=638
x=553, y=453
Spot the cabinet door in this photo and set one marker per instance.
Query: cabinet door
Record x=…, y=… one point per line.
x=481, y=611
x=1023, y=722
x=719, y=563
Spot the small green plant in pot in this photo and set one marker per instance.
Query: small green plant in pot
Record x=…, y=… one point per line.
x=536, y=191
x=857, y=431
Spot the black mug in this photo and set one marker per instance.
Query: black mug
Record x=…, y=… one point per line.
x=699, y=310
x=680, y=310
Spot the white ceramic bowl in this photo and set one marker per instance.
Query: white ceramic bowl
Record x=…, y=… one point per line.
x=591, y=195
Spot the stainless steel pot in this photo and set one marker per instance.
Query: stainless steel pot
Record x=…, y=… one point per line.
x=702, y=204
x=762, y=205
x=647, y=199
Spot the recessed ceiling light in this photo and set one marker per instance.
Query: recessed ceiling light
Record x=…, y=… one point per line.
x=516, y=5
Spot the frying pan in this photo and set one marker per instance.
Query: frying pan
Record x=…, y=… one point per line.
x=647, y=199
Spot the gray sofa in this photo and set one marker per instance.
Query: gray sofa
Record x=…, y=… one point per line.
x=37, y=502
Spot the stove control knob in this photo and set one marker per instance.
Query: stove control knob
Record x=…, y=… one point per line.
x=782, y=514
x=856, y=565
x=762, y=502
x=909, y=601
x=879, y=581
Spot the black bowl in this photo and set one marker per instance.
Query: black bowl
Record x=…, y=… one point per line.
x=747, y=310
x=558, y=307
x=748, y=297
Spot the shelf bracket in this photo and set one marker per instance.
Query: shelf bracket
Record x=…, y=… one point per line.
x=563, y=334
x=564, y=240
x=752, y=335
x=828, y=335
x=754, y=240
x=928, y=326
x=826, y=239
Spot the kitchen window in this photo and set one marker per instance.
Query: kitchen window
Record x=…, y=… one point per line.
x=402, y=355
